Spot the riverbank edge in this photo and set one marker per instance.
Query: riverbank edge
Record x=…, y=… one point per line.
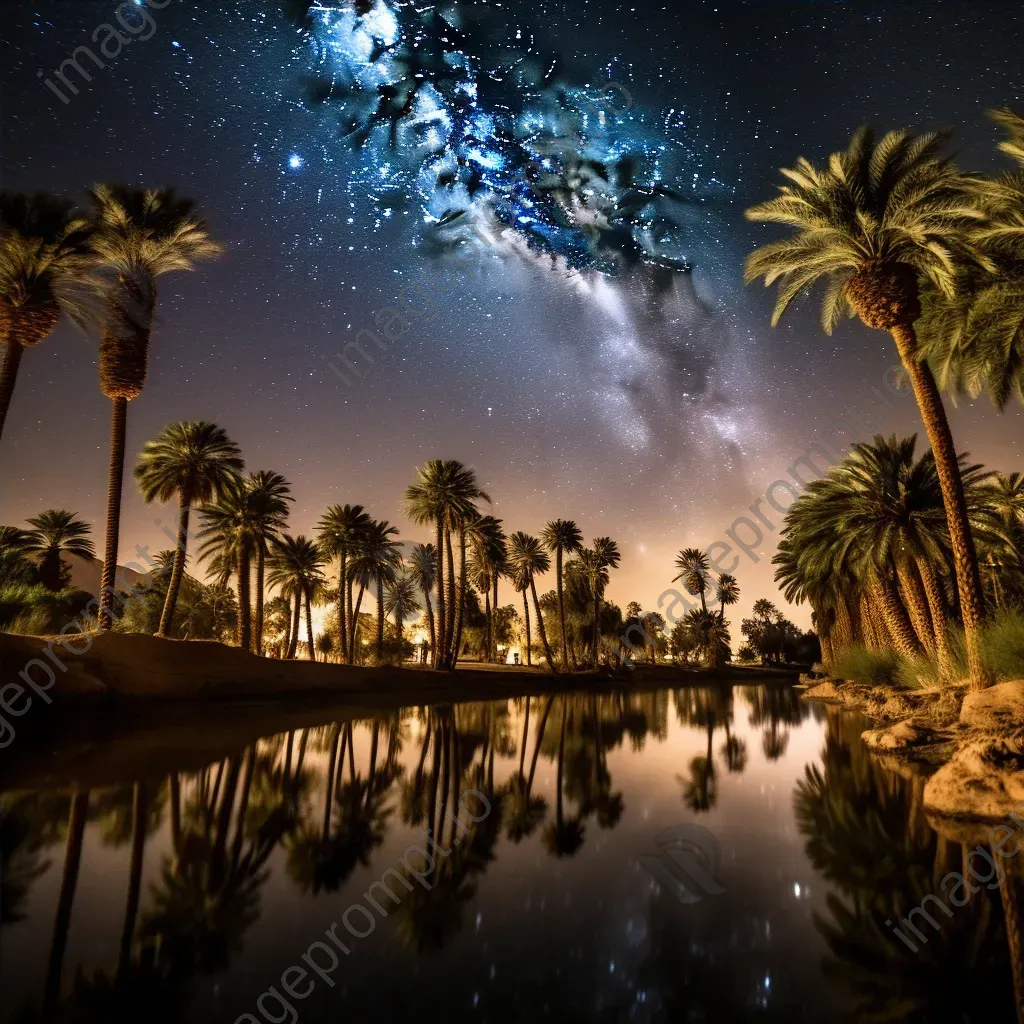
x=970, y=744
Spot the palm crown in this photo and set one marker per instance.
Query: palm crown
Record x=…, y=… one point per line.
x=881, y=216
x=193, y=460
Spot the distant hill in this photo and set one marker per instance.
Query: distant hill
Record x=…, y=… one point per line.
x=86, y=574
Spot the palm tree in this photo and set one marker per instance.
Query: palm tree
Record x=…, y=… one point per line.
x=423, y=569
x=560, y=536
x=487, y=539
x=527, y=559
x=44, y=272
x=400, y=599
x=138, y=236
x=342, y=528
x=193, y=460
x=973, y=339
x=296, y=566
x=727, y=591
x=593, y=565
x=694, y=573
x=883, y=218
x=445, y=495
x=54, y=533
x=269, y=494
x=377, y=561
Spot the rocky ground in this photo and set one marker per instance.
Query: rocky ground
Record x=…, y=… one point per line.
x=973, y=742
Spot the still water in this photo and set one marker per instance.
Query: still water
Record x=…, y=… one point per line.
x=556, y=892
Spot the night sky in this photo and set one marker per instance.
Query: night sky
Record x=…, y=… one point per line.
x=652, y=417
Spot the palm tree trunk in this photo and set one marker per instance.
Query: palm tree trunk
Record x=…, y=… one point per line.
x=69, y=882
x=526, y=617
x=489, y=641
x=257, y=631
x=431, y=626
x=937, y=607
x=8, y=376
x=244, y=599
x=115, y=480
x=350, y=620
x=380, y=620
x=543, y=631
x=331, y=765
x=494, y=612
x=342, y=611
x=965, y=558
x=293, y=637
x=826, y=648
x=355, y=621
x=917, y=604
x=536, y=745
x=597, y=624
x=900, y=630
x=561, y=607
x=449, y=636
x=460, y=598
x=134, y=876
x=177, y=572
x=440, y=652
x=309, y=626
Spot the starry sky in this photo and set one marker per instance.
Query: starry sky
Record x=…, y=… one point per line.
x=652, y=411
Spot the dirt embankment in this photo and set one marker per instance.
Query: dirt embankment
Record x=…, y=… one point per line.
x=976, y=740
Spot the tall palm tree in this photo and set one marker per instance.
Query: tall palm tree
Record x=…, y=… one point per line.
x=562, y=536
x=727, y=591
x=445, y=494
x=193, y=461
x=400, y=600
x=268, y=497
x=884, y=217
x=139, y=235
x=694, y=573
x=595, y=563
x=488, y=541
x=54, y=533
x=423, y=569
x=341, y=530
x=527, y=559
x=228, y=534
x=44, y=272
x=296, y=566
x=377, y=561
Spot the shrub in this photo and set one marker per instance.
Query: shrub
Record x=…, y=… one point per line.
x=874, y=668
x=1002, y=643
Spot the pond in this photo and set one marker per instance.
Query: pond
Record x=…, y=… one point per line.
x=695, y=854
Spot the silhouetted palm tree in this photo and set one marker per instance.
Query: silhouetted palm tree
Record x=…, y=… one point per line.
x=44, y=272
x=193, y=461
x=342, y=528
x=400, y=600
x=423, y=569
x=138, y=236
x=54, y=533
x=526, y=559
x=296, y=566
x=694, y=573
x=562, y=536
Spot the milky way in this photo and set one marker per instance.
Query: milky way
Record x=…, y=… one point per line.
x=577, y=367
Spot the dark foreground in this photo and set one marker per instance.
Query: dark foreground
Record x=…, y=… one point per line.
x=177, y=870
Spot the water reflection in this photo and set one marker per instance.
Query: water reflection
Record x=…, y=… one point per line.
x=183, y=897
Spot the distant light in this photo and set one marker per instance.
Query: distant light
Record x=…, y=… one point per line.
x=295, y=161
x=176, y=44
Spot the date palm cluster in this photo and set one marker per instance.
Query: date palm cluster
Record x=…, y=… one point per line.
x=909, y=244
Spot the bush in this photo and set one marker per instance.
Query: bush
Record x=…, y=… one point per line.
x=874, y=668
x=34, y=609
x=1002, y=643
